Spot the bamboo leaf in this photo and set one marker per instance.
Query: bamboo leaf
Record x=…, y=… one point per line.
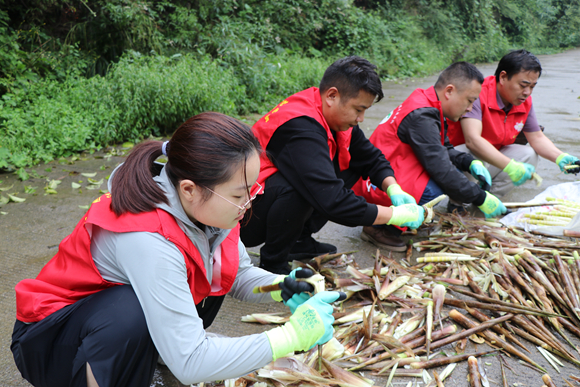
x=16, y=199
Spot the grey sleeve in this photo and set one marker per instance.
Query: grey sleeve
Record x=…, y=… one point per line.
x=249, y=277
x=156, y=270
x=475, y=111
x=531, y=124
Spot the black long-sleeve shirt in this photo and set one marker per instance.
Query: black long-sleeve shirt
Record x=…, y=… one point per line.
x=299, y=149
x=421, y=130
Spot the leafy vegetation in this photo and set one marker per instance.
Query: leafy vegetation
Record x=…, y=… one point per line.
x=80, y=74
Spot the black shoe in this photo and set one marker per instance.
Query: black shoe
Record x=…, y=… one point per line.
x=309, y=248
x=459, y=210
x=283, y=269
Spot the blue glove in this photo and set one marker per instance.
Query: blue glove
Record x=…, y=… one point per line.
x=310, y=325
x=398, y=196
x=566, y=159
x=519, y=172
x=492, y=206
x=321, y=302
x=480, y=172
x=295, y=293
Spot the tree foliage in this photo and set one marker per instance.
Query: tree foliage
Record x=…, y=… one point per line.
x=79, y=74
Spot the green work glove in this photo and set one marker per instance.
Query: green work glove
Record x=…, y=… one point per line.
x=480, y=172
x=398, y=196
x=310, y=324
x=565, y=159
x=519, y=172
x=407, y=215
x=492, y=206
x=295, y=293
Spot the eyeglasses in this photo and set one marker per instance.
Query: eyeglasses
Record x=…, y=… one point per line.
x=246, y=204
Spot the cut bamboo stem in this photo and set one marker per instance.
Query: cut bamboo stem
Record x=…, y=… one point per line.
x=473, y=371
x=441, y=361
x=492, y=337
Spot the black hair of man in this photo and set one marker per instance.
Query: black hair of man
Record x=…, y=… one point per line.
x=460, y=75
x=350, y=75
x=516, y=62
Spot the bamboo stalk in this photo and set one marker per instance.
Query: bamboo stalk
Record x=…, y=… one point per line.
x=542, y=334
x=495, y=307
x=525, y=205
x=429, y=326
x=571, y=233
x=563, y=298
x=518, y=279
x=533, y=339
x=503, y=375
x=497, y=328
x=568, y=325
x=441, y=361
x=538, y=274
x=567, y=280
x=473, y=371
x=492, y=337
x=448, y=330
x=467, y=332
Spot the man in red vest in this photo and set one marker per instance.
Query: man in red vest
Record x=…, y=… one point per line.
x=413, y=138
x=314, y=153
x=503, y=111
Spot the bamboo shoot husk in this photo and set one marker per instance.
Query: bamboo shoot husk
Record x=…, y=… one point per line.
x=492, y=337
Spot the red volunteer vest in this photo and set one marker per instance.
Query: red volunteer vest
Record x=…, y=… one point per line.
x=72, y=275
x=305, y=103
x=410, y=174
x=498, y=128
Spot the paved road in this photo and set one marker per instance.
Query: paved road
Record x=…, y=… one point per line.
x=31, y=231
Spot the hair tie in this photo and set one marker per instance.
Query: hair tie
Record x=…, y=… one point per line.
x=164, y=148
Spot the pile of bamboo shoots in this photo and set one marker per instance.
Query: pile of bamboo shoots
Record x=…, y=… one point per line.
x=560, y=214
x=401, y=315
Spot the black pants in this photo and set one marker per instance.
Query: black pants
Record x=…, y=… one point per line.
x=280, y=217
x=107, y=329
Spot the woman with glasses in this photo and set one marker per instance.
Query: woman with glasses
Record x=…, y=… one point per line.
x=146, y=270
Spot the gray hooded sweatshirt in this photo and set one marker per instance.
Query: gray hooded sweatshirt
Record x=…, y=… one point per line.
x=156, y=270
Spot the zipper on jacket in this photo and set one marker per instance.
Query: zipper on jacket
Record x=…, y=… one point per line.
x=203, y=302
x=505, y=119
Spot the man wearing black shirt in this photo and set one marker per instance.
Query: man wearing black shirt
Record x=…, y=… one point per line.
x=414, y=138
x=314, y=153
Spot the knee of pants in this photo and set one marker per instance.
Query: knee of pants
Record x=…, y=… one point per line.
x=530, y=156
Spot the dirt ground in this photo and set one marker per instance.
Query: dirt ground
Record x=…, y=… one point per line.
x=31, y=231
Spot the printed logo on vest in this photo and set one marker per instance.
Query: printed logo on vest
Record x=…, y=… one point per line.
x=370, y=185
x=386, y=118
x=519, y=126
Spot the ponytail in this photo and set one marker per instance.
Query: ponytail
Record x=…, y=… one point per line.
x=134, y=189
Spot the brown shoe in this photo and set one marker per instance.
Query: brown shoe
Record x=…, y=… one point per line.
x=382, y=238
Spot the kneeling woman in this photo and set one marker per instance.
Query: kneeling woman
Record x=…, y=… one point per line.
x=146, y=269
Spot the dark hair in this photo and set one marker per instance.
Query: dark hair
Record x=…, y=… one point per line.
x=459, y=74
x=206, y=149
x=350, y=75
x=517, y=61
